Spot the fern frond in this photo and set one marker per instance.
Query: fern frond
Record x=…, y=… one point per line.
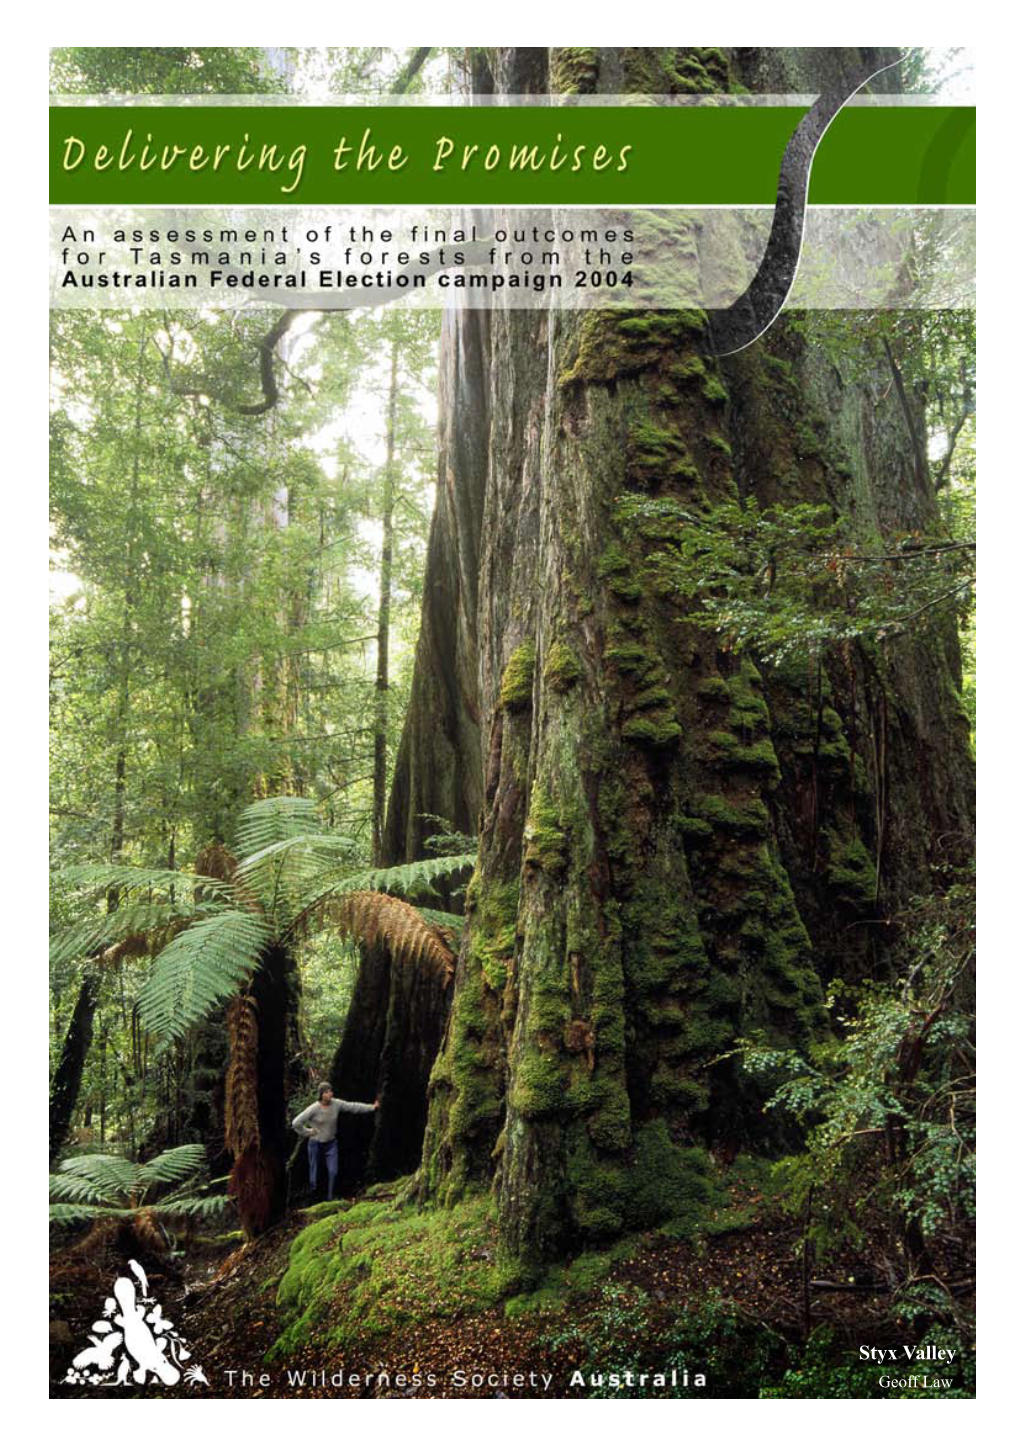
x=449, y=925
x=373, y=918
x=172, y=1166
x=100, y=1185
x=95, y=1178
x=279, y=875
x=276, y=818
x=199, y=970
x=69, y=1214
x=100, y=879
x=413, y=879
x=98, y=934
x=192, y=1206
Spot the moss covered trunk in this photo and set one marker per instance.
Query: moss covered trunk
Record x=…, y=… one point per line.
x=677, y=848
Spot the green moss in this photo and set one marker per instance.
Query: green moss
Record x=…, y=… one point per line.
x=611, y=347
x=694, y=828
x=690, y=368
x=377, y=1267
x=714, y=391
x=573, y=70
x=627, y=656
x=678, y=1093
x=714, y=688
x=726, y=752
x=657, y=456
x=609, y=1128
x=562, y=667
x=465, y=1082
x=653, y=730
x=493, y=932
x=616, y=569
x=538, y=1084
x=663, y=1183
x=750, y=818
x=667, y=1183
x=748, y=712
x=651, y=698
x=851, y=873
x=699, y=70
x=518, y=678
x=595, y=1190
x=807, y=441
x=545, y=842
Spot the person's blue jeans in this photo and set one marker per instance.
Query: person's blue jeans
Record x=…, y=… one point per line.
x=327, y=1152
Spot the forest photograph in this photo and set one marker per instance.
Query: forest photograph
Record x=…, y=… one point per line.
x=512, y=817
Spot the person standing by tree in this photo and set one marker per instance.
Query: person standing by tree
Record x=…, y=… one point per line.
x=318, y=1124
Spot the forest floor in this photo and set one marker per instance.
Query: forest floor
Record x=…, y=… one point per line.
x=730, y=1306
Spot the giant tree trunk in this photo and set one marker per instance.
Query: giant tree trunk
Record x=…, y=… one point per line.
x=382, y=662
x=676, y=848
x=393, y=1030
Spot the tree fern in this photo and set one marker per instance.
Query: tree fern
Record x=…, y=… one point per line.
x=101, y=879
x=372, y=917
x=277, y=818
x=200, y=969
x=143, y=921
x=293, y=876
x=172, y=1166
x=99, y=1186
x=96, y=1178
x=411, y=880
x=280, y=874
x=69, y=1214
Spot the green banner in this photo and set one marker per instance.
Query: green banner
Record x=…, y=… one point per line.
x=612, y=156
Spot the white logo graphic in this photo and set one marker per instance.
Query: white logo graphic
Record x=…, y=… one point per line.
x=132, y=1342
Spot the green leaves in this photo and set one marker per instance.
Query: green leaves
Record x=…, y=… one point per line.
x=274, y=820
x=108, y=1186
x=413, y=880
x=200, y=969
x=292, y=869
x=172, y=1166
x=97, y=1178
x=777, y=580
x=887, y=1105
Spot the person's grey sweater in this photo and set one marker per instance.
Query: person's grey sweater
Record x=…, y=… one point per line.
x=318, y=1122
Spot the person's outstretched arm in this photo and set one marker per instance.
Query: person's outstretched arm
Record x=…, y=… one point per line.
x=300, y=1122
x=357, y=1106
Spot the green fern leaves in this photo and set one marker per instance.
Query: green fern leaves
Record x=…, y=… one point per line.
x=293, y=877
x=108, y=1186
x=200, y=969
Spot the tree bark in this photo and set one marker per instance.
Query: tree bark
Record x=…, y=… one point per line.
x=395, y=1023
x=382, y=662
x=66, y=1083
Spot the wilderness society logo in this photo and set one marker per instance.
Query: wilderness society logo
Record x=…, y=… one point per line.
x=133, y=1343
